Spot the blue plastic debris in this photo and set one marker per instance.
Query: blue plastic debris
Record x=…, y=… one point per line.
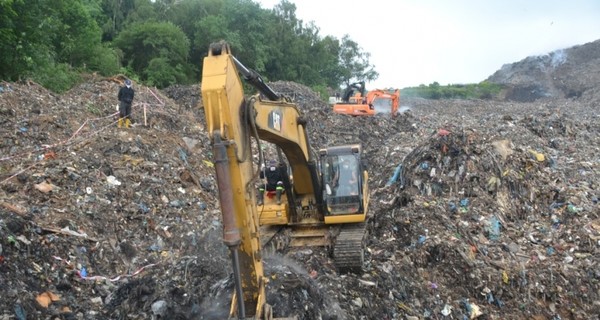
x=490, y=297
x=494, y=232
x=499, y=303
x=143, y=207
x=176, y=203
x=396, y=176
x=183, y=155
x=452, y=207
x=555, y=223
x=202, y=206
x=465, y=304
x=493, y=300
x=20, y=312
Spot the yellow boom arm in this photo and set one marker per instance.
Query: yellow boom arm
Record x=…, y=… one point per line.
x=223, y=99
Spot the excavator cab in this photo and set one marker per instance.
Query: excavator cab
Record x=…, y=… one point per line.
x=383, y=102
x=345, y=192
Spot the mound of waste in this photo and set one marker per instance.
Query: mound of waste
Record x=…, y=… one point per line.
x=479, y=210
x=566, y=73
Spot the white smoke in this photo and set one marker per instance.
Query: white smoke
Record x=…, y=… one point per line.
x=558, y=57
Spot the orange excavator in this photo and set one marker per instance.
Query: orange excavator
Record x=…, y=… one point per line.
x=356, y=101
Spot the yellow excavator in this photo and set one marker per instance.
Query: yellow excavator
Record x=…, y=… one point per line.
x=326, y=192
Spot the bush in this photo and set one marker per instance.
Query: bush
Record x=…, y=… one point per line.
x=56, y=77
x=105, y=61
x=161, y=73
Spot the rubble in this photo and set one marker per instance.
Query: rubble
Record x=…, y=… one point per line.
x=479, y=210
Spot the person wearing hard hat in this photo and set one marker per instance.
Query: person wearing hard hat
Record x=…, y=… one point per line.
x=125, y=96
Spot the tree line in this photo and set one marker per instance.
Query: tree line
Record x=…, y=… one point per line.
x=435, y=91
x=163, y=42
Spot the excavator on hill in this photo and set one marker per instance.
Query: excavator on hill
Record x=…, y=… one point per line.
x=356, y=101
x=326, y=192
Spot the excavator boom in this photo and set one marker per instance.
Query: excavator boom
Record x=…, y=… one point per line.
x=222, y=95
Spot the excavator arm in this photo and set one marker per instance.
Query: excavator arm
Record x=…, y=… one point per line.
x=231, y=122
x=223, y=99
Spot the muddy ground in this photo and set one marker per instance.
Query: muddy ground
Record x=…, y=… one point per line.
x=479, y=210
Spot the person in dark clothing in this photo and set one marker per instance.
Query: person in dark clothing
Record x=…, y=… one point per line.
x=125, y=96
x=274, y=182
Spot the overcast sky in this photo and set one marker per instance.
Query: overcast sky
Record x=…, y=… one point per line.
x=415, y=42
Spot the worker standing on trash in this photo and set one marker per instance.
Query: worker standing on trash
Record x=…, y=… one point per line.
x=274, y=182
x=125, y=96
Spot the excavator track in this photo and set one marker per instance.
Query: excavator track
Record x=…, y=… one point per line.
x=349, y=248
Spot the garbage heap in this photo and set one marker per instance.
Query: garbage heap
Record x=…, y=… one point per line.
x=495, y=217
x=483, y=226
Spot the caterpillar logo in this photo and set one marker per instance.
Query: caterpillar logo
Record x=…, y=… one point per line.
x=275, y=120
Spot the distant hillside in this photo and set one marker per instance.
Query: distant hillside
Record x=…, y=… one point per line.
x=566, y=73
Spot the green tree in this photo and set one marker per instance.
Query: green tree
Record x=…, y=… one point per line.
x=115, y=13
x=328, y=64
x=154, y=40
x=242, y=23
x=211, y=29
x=186, y=16
x=51, y=41
x=245, y=19
x=22, y=42
x=162, y=73
x=354, y=63
x=73, y=33
x=297, y=52
x=145, y=11
x=157, y=51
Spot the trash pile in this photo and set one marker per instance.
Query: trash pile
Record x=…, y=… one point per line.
x=565, y=73
x=86, y=207
x=491, y=226
x=479, y=210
